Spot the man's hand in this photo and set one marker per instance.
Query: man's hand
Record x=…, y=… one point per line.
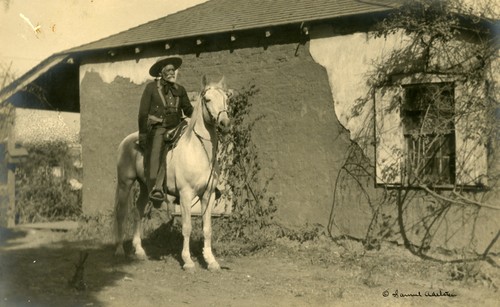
x=142, y=140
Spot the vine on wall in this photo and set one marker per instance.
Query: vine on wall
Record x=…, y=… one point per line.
x=432, y=177
x=246, y=188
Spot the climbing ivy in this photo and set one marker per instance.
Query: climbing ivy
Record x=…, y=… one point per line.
x=246, y=188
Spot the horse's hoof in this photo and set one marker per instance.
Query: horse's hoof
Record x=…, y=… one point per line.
x=214, y=266
x=120, y=252
x=141, y=257
x=188, y=267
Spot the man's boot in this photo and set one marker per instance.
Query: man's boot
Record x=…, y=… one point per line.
x=156, y=195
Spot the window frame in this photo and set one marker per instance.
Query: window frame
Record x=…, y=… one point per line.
x=398, y=83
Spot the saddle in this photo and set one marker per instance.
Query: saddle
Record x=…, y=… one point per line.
x=173, y=136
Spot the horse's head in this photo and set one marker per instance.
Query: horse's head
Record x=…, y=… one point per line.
x=214, y=98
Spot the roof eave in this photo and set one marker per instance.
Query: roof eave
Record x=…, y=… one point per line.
x=78, y=50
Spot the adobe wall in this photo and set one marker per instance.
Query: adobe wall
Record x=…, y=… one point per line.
x=300, y=140
x=306, y=92
x=347, y=60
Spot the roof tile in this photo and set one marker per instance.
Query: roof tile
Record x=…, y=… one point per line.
x=218, y=16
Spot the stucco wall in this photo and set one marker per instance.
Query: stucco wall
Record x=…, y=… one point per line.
x=348, y=59
x=300, y=140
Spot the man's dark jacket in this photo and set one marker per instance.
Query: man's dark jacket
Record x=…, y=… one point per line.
x=152, y=104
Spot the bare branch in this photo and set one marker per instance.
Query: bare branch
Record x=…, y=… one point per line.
x=455, y=201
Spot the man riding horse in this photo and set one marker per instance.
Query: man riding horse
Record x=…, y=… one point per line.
x=160, y=112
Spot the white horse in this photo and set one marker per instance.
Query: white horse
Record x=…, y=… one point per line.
x=192, y=171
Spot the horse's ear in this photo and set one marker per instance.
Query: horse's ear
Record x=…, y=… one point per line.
x=204, y=81
x=222, y=83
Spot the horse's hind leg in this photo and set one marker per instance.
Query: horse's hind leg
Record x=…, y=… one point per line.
x=121, y=209
x=141, y=204
x=206, y=209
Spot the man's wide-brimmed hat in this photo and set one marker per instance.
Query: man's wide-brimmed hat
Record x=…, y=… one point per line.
x=162, y=62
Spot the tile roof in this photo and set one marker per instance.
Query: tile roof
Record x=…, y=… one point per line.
x=219, y=16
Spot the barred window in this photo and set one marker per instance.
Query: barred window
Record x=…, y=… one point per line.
x=427, y=133
x=428, y=113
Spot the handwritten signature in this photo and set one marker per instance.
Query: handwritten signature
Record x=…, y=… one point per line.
x=398, y=294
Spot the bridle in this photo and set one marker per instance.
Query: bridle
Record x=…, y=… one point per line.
x=214, y=121
x=204, y=102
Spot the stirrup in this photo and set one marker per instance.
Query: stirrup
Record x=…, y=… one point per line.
x=157, y=197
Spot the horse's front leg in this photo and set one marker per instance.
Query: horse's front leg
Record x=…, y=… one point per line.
x=207, y=204
x=141, y=204
x=186, y=199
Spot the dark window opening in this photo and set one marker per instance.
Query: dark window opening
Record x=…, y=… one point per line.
x=428, y=121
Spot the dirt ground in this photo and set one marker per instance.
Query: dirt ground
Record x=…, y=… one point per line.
x=36, y=267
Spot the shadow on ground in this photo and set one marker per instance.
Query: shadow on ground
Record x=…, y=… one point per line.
x=10, y=235
x=38, y=267
x=167, y=240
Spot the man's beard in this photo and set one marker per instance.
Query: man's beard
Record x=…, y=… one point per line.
x=169, y=78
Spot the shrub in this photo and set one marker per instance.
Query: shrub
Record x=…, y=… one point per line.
x=41, y=194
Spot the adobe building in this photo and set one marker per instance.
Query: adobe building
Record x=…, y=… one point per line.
x=308, y=60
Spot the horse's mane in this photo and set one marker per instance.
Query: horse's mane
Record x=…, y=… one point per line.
x=195, y=115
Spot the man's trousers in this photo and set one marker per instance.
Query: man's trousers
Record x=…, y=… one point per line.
x=153, y=155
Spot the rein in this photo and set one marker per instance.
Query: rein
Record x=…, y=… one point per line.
x=202, y=139
x=214, y=159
